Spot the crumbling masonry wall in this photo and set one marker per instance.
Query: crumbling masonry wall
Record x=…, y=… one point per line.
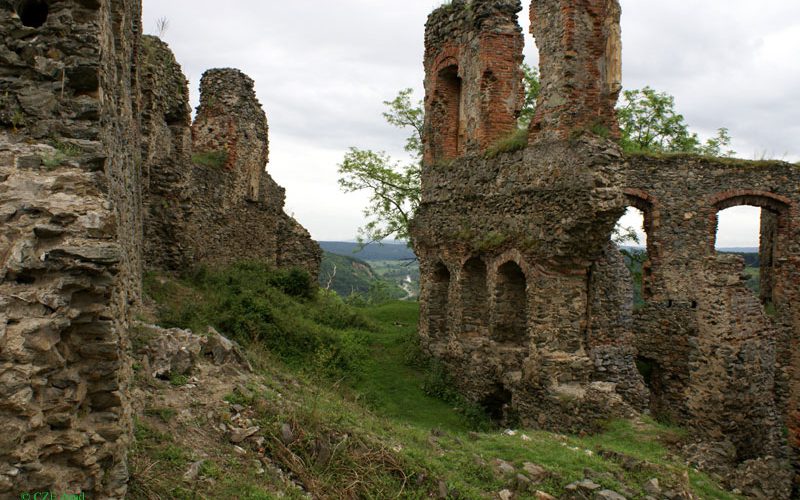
x=166, y=156
x=205, y=211
x=77, y=82
x=473, y=80
x=530, y=306
x=69, y=242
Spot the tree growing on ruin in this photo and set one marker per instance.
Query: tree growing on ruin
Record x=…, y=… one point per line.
x=649, y=123
x=395, y=186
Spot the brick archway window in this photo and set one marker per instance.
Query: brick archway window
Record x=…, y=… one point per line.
x=749, y=224
x=511, y=305
x=640, y=254
x=447, y=113
x=33, y=13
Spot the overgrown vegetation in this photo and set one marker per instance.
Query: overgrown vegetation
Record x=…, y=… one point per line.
x=649, y=123
x=63, y=152
x=515, y=141
x=390, y=425
x=281, y=310
x=212, y=159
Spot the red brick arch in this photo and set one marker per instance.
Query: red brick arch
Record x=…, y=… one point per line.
x=739, y=197
x=778, y=204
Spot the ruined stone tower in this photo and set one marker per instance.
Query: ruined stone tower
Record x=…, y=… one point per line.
x=206, y=184
x=87, y=105
x=528, y=302
x=473, y=79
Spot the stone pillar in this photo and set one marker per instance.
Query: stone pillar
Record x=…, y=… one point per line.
x=580, y=61
x=230, y=121
x=473, y=79
x=236, y=208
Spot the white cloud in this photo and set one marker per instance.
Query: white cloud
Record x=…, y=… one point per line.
x=322, y=70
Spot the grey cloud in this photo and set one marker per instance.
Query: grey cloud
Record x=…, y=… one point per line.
x=322, y=70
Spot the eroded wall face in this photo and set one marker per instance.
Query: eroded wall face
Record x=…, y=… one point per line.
x=70, y=232
x=724, y=354
x=703, y=351
x=208, y=197
x=236, y=208
x=166, y=156
x=580, y=61
x=473, y=80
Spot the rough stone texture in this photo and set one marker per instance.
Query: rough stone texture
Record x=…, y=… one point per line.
x=580, y=51
x=473, y=82
x=69, y=243
x=166, y=155
x=206, y=213
x=71, y=228
x=168, y=352
x=529, y=306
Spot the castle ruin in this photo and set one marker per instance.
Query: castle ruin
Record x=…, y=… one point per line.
x=98, y=183
x=529, y=304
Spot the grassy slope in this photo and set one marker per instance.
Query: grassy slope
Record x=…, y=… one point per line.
x=384, y=437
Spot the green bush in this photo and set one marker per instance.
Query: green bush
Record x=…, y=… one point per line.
x=279, y=309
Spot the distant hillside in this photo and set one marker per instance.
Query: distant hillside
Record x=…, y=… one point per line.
x=373, y=251
x=353, y=276
x=739, y=250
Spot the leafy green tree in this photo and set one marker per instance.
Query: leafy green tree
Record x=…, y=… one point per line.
x=649, y=123
x=394, y=189
x=395, y=186
x=530, y=78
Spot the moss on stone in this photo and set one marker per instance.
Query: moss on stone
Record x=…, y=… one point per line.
x=215, y=159
x=515, y=141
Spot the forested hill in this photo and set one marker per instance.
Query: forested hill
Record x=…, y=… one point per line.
x=373, y=251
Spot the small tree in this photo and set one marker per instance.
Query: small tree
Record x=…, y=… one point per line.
x=394, y=186
x=162, y=25
x=530, y=79
x=649, y=123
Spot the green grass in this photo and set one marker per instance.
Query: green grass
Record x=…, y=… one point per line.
x=515, y=141
x=383, y=434
x=214, y=159
x=391, y=385
x=281, y=309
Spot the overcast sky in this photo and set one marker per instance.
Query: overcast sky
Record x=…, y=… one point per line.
x=322, y=70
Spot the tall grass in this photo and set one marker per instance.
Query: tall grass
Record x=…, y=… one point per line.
x=281, y=309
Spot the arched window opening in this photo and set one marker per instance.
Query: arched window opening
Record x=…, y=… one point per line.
x=33, y=13
x=448, y=116
x=438, y=303
x=630, y=235
x=498, y=404
x=474, y=297
x=751, y=232
x=511, y=305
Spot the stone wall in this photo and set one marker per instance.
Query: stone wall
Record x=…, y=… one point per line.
x=72, y=101
x=166, y=156
x=206, y=187
x=529, y=305
x=239, y=195
x=580, y=59
x=69, y=241
x=473, y=80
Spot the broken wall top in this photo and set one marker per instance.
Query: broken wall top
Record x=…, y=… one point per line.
x=230, y=120
x=473, y=79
